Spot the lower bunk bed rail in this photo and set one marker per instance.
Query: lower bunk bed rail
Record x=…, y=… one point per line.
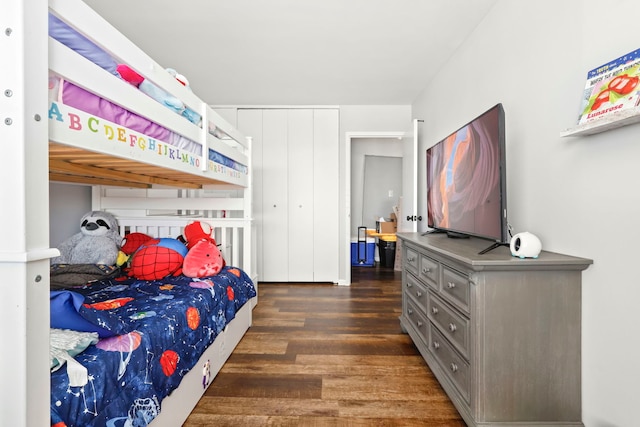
x=231, y=234
x=163, y=212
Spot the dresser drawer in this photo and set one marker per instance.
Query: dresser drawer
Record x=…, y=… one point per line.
x=429, y=271
x=454, y=366
x=418, y=320
x=452, y=324
x=411, y=260
x=456, y=288
x=417, y=291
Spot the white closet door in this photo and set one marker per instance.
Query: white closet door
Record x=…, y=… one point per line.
x=275, y=215
x=301, y=206
x=325, y=193
x=250, y=124
x=295, y=178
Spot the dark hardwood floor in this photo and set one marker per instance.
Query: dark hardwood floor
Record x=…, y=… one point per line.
x=325, y=355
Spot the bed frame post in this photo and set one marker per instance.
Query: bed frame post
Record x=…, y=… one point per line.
x=24, y=219
x=248, y=244
x=204, y=134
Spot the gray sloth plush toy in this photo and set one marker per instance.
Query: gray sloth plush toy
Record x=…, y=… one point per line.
x=98, y=241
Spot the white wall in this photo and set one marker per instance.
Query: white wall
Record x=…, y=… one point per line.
x=577, y=194
x=67, y=204
x=374, y=118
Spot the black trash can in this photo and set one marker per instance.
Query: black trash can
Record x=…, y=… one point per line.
x=387, y=252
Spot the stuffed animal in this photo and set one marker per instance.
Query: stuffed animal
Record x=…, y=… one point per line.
x=98, y=241
x=160, y=95
x=132, y=241
x=158, y=258
x=203, y=259
x=130, y=244
x=196, y=231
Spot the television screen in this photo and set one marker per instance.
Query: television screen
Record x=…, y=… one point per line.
x=466, y=189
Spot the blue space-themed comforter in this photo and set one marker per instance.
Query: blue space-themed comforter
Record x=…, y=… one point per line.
x=156, y=332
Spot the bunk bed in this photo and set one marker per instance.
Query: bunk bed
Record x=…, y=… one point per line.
x=156, y=170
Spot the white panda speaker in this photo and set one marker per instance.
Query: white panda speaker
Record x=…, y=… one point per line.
x=525, y=245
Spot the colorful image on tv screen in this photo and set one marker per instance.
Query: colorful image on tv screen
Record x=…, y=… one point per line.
x=463, y=179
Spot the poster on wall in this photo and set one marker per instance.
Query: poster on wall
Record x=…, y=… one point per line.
x=611, y=87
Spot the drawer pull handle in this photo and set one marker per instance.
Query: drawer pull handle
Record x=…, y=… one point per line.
x=451, y=285
x=411, y=259
x=434, y=310
x=419, y=323
x=409, y=311
x=436, y=345
x=426, y=270
x=418, y=294
x=454, y=367
x=409, y=285
x=452, y=327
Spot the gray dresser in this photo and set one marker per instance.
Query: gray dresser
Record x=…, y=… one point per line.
x=501, y=334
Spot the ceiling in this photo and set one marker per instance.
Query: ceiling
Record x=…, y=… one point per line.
x=299, y=52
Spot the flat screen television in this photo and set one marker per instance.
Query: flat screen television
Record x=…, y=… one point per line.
x=466, y=181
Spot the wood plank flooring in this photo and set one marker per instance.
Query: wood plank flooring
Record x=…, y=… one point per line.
x=325, y=355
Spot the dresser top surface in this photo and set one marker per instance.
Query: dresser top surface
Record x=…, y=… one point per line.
x=466, y=251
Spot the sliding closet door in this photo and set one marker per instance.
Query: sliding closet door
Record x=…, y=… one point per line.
x=295, y=181
x=301, y=195
x=325, y=195
x=275, y=202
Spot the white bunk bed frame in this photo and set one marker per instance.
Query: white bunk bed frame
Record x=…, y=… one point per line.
x=25, y=250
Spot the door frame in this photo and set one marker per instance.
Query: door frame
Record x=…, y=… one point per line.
x=346, y=232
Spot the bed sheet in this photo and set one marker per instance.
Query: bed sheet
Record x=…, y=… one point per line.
x=161, y=328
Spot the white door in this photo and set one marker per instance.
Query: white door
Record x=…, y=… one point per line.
x=275, y=212
x=295, y=177
x=301, y=206
x=325, y=193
